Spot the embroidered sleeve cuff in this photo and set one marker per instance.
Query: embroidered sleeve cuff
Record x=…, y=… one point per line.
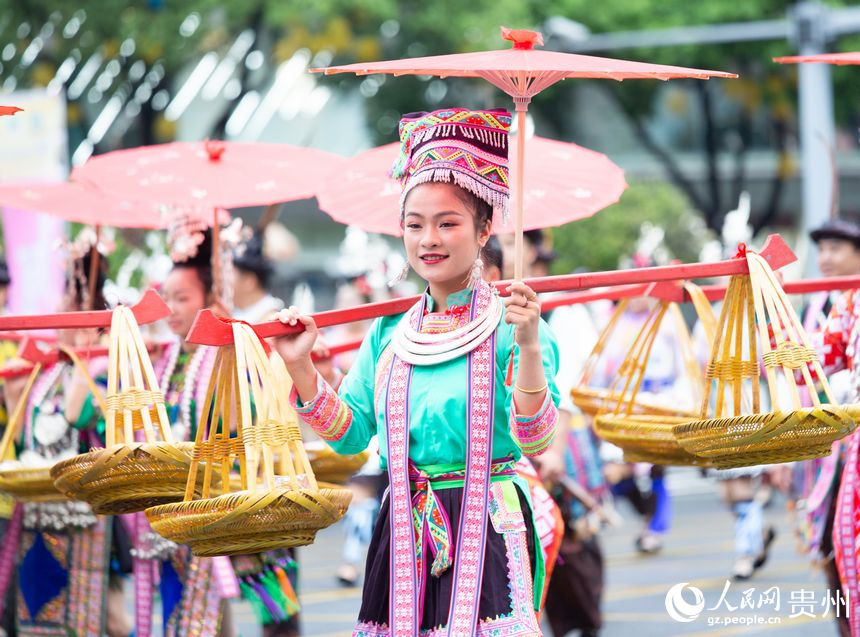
x=326, y=413
x=534, y=434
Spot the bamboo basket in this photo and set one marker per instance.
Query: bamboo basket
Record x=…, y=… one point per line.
x=328, y=465
x=127, y=475
x=648, y=437
x=593, y=400
x=35, y=484
x=268, y=512
x=746, y=435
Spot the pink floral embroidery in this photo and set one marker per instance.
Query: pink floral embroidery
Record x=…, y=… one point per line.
x=534, y=434
x=327, y=414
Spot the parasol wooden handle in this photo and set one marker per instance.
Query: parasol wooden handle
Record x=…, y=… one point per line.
x=149, y=309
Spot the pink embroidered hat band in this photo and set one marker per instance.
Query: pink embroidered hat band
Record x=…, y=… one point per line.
x=456, y=145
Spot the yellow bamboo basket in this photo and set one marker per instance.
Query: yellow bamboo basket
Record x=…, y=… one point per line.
x=743, y=432
x=593, y=400
x=35, y=484
x=269, y=511
x=127, y=475
x=328, y=466
x=648, y=437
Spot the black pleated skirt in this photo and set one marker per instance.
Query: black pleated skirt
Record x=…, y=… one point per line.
x=506, y=581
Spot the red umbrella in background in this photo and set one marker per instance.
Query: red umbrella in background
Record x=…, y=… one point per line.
x=565, y=182
x=81, y=203
x=522, y=72
x=9, y=110
x=823, y=58
x=210, y=174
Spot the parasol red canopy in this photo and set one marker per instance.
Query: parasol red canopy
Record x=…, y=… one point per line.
x=210, y=174
x=522, y=72
x=9, y=110
x=822, y=58
x=565, y=182
x=81, y=203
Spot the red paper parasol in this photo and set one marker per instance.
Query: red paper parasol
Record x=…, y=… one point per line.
x=9, y=110
x=81, y=203
x=566, y=182
x=522, y=73
x=210, y=174
x=822, y=58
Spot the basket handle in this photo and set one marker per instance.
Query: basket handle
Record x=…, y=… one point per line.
x=290, y=418
x=130, y=369
x=779, y=307
x=632, y=370
x=17, y=415
x=85, y=372
x=599, y=347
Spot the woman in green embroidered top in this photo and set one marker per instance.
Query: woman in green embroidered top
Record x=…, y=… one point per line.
x=458, y=388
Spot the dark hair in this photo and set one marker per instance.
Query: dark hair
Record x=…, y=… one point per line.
x=263, y=276
x=491, y=253
x=483, y=210
x=252, y=259
x=203, y=272
x=534, y=237
x=5, y=279
x=200, y=263
x=78, y=281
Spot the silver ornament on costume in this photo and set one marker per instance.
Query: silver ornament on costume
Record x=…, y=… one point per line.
x=49, y=427
x=58, y=516
x=151, y=546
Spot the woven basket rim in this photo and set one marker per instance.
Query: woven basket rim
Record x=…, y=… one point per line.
x=582, y=397
x=237, y=497
x=849, y=410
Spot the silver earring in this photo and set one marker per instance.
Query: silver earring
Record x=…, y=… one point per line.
x=477, y=273
x=404, y=272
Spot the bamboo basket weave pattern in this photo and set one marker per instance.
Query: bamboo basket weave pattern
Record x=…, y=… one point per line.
x=330, y=466
x=746, y=435
x=128, y=475
x=327, y=465
x=596, y=400
x=650, y=437
x=35, y=484
x=267, y=513
x=30, y=485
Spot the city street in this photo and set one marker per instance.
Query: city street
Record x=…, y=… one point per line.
x=698, y=551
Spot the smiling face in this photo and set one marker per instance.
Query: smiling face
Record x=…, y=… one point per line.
x=185, y=295
x=441, y=235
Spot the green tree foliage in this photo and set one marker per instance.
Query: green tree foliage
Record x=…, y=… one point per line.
x=600, y=242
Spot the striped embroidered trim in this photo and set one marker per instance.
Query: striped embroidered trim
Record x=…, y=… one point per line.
x=534, y=434
x=326, y=413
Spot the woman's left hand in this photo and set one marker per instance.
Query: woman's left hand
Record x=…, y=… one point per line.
x=522, y=310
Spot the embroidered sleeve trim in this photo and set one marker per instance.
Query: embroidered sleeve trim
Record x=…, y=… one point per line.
x=326, y=413
x=534, y=434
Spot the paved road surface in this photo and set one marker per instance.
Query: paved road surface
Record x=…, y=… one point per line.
x=698, y=551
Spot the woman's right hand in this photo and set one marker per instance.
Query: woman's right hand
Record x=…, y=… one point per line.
x=295, y=348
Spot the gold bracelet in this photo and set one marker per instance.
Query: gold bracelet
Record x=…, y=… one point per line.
x=531, y=391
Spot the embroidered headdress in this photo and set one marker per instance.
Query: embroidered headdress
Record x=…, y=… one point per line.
x=466, y=147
